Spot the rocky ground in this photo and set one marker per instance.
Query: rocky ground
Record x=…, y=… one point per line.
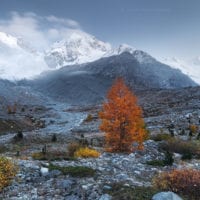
x=165, y=111
x=35, y=181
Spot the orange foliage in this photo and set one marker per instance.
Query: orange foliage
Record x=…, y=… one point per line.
x=193, y=128
x=183, y=181
x=122, y=120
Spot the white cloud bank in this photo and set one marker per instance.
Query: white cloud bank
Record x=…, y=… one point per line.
x=37, y=32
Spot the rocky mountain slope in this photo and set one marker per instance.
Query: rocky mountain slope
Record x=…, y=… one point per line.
x=88, y=83
x=190, y=68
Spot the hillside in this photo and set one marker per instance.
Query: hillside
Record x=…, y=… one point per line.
x=88, y=83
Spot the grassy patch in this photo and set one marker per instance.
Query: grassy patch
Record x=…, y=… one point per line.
x=188, y=149
x=120, y=192
x=156, y=163
x=3, y=149
x=160, y=137
x=75, y=171
x=51, y=156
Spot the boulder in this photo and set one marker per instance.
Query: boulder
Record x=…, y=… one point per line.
x=166, y=196
x=44, y=171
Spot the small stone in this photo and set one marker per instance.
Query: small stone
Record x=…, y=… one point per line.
x=86, y=187
x=44, y=171
x=107, y=187
x=122, y=176
x=137, y=172
x=105, y=197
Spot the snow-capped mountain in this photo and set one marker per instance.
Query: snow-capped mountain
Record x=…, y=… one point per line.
x=18, y=60
x=81, y=48
x=78, y=48
x=120, y=49
x=190, y=68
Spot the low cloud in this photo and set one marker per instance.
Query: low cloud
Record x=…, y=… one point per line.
x=63, y=22
x=37, y=32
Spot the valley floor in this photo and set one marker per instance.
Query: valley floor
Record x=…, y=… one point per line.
x=36, y=179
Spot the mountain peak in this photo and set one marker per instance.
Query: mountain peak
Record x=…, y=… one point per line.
x=78, y=47
x=125, y=48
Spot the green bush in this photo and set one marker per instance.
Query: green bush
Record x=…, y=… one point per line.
x=75, y=171
x=54, y=138
x=155, y=163
x=168, y=160
x=18, y=137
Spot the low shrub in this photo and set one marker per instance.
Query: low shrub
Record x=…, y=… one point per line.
x=186, y=156
x=160, y=137
x=11, y=109
x=184, y=182
x=8, y=171
x=85, y=152
x=75, y=171
x=121, y=192
x=72, y=148
x=182, y=147
x=168, y=160
x=193, y=128
x=18, y=137
x=155, y=163
x=54, y=138
x=51, y=156
x=89, y=118
x=3, y=148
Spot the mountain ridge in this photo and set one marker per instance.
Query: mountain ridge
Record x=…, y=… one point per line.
x=89, y=82
x=19, y=60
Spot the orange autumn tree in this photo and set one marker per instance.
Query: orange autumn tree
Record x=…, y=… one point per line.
x=122, y=119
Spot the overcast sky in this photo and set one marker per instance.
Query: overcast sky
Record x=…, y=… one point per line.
x=163, y=28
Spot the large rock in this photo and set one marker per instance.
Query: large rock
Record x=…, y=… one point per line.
x=166, y=196
x=105, y=197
